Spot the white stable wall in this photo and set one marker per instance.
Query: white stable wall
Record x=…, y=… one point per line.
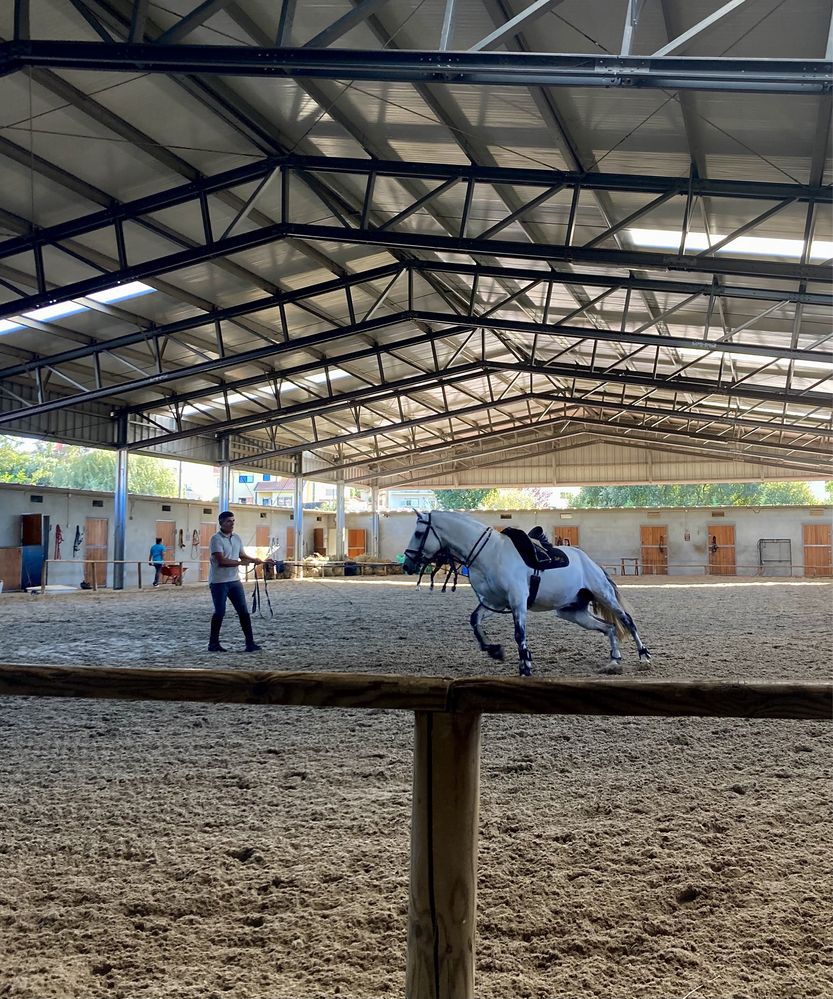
x=607, y=535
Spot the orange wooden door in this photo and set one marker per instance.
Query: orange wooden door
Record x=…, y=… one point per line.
x=262, y=540
x=319, y=541
x=290, y=542
x=818, y=550
x=565, y=535
x=166, y=530
x=356, y=541
x=207, y=530
x=653, y=539
x=721, y=549
x=95, y=549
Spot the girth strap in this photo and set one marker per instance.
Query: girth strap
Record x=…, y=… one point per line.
x=534, y=585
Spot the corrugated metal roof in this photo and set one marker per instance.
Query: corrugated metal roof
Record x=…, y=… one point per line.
x=388, y=262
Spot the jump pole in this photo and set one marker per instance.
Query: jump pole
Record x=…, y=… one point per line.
x=444, y=826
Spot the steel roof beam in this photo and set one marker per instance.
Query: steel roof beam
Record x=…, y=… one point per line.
x=577, y=410
x=457, y=324
x=181, y=259
x=451, y=377
x=784, y=76
x=516, y=250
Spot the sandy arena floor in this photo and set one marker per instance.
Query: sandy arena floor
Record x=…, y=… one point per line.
x=176, y=851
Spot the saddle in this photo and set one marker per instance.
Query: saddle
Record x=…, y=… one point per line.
x=536, y=550
x=538, y=553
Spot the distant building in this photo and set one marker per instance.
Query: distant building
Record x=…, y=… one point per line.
x=406, y=499
x=267, y=490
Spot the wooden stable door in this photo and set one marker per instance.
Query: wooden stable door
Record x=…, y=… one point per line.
x=653, y=539
x=721, y=549
x=207, y=530
x=262, y=540
x=564, y=535
x=356, y=541
x=290, y=542
x=95, y=550
x=818, y=551
x=319, y=541
x=166, y=530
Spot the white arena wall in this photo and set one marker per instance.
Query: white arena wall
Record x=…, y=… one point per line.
x=607, y=535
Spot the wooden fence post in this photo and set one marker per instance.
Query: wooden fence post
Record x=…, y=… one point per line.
x=443, y=900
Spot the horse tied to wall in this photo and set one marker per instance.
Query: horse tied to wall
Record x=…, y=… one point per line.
x=513, y=572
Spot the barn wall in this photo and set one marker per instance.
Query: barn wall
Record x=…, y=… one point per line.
x=610, y=535
x=607, y=535
x=71, y=509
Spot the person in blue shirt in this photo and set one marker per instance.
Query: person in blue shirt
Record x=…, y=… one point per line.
x=157, y=559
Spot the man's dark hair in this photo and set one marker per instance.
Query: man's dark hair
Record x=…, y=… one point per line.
x=225, y=516
x=159, y=541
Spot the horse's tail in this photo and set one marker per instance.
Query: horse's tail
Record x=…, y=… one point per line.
x=605, y=609
x=606, y=612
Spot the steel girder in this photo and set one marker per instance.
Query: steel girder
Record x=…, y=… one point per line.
x=785, y=76
x=394, y=233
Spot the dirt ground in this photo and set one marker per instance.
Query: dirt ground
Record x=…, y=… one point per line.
x=187, y=851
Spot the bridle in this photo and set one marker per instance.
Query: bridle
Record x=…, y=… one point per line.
x=443, y=555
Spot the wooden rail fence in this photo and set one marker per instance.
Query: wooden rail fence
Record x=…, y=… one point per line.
x=446, y=787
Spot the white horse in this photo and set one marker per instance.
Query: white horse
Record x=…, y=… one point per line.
x=504, y=582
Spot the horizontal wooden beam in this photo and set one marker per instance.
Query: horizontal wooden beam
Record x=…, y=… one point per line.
x=508, y=695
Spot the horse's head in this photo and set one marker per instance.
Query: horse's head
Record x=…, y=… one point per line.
x=424, y=545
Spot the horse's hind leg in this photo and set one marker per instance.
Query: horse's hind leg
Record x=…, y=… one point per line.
x=627, y=621
x=493, y=650
x=585, y=619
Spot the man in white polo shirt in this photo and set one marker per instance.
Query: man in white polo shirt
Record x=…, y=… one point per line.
x=227, y=555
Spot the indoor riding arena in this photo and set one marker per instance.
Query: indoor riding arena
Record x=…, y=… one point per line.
x=322, y=267
x=192, y=850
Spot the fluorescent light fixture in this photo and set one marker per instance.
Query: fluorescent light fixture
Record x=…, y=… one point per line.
x=61, y=309
x=669, y=239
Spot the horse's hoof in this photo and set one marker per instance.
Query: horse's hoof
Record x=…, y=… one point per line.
x=645, y=656
x=495, y=651
x=524, y=670
x=613, y=668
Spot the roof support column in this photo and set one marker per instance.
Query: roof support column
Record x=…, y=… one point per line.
x=374, y=521
x=120, y=528
x=341, y=522
x=225, y=475
x=298, y=511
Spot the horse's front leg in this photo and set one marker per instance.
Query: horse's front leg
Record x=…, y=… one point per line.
x=493, y=650
x=524, y=655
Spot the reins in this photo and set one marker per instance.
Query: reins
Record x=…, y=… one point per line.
x=257, y=601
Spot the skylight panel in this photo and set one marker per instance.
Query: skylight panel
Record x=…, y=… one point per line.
x=669, y=239
x=321, y=376
x=62, y=309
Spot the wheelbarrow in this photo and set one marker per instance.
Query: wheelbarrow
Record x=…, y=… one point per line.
x=173, y=574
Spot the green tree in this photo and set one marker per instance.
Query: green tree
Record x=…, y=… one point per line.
x=705, y=494
x=26, y=464
x=460, y=499
x=71, y=467
x=512, y=499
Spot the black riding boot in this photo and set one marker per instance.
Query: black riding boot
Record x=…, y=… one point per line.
x=214, y=640
x=246, y=625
